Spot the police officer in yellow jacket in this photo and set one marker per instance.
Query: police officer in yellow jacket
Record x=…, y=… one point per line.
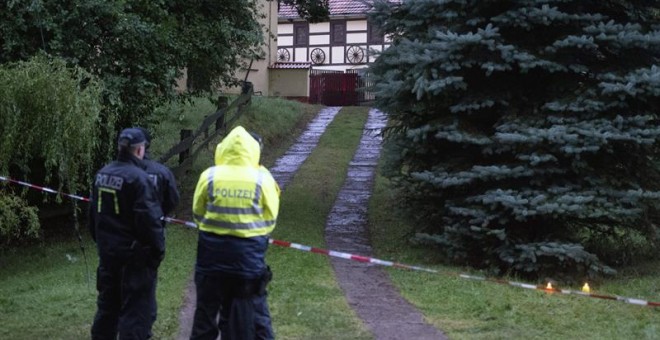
x=235, y=206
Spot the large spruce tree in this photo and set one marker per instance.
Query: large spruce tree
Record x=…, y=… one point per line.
x=524, y=133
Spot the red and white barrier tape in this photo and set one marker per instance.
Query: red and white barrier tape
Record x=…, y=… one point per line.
x=366, y=259
x=48, y=190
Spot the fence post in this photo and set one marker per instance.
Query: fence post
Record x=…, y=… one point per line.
x=185, y=133
x=205, y=133
x=247, y=88
x=222, y=103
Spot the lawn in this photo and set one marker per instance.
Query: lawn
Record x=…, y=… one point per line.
x=44, y=291
x=466, y=309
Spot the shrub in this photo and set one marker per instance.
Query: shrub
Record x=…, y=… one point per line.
x=18, y=221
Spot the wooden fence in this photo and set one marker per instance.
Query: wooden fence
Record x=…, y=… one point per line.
x=193, y=142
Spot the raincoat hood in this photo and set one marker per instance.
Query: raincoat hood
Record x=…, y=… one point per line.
x=238, y=148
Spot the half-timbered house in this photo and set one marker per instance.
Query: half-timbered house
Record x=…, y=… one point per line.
x=344, y=42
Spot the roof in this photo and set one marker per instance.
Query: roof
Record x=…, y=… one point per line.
x=291, y=65
x=337, y=8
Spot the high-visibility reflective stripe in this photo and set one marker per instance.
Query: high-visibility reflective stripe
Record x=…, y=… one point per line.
x=113, y=192
x=210, y=184
x=254, y=210
x=237, y=226
x=257, y=190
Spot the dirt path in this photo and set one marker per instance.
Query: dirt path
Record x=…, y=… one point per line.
x=283, y=171
x=367, y=287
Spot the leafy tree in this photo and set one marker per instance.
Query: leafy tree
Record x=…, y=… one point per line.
x=49, y=120
x=310, y=10
x=136, y=47
x=524, y=132
x=216, y=38
x=49, y=129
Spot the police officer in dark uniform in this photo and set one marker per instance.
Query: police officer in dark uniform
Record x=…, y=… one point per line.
x=125, y=224
x=167, y=192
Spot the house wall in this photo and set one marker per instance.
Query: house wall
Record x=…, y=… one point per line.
x=258, y=74
x=181, y=82
x=357, y=33
x=291, y=83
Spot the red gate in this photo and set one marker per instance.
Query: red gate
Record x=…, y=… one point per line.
x=333, y=88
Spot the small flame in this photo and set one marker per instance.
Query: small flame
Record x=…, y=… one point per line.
x=549, y=286
x=586, y=288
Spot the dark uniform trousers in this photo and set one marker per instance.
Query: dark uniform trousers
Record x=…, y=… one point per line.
x=168, y=196
x=124, y=289
x=241, y=304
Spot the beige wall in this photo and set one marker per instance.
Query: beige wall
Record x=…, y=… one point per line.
x=181, y=82
x=319, y=40
x=289, y=82
x=319, y=27
x=259, y=71
x=356, y=25
x=338, y=55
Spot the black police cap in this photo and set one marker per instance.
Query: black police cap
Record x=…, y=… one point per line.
x=131, y=137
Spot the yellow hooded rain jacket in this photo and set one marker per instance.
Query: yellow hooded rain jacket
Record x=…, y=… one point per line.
x=237, y=196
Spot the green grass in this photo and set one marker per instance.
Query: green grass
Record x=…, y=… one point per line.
x=305, y=300
x=44, y=293
x=169, y=119
x=173, y=276
x=277, y=120
x=287, y=118
x=41, y=286
x=466, y=309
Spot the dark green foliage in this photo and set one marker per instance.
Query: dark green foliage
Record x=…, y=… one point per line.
x=310, y=10
x=49, y=122
x=522, y=130
x=138, y=48
x=18, y=221
x=216, y=38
